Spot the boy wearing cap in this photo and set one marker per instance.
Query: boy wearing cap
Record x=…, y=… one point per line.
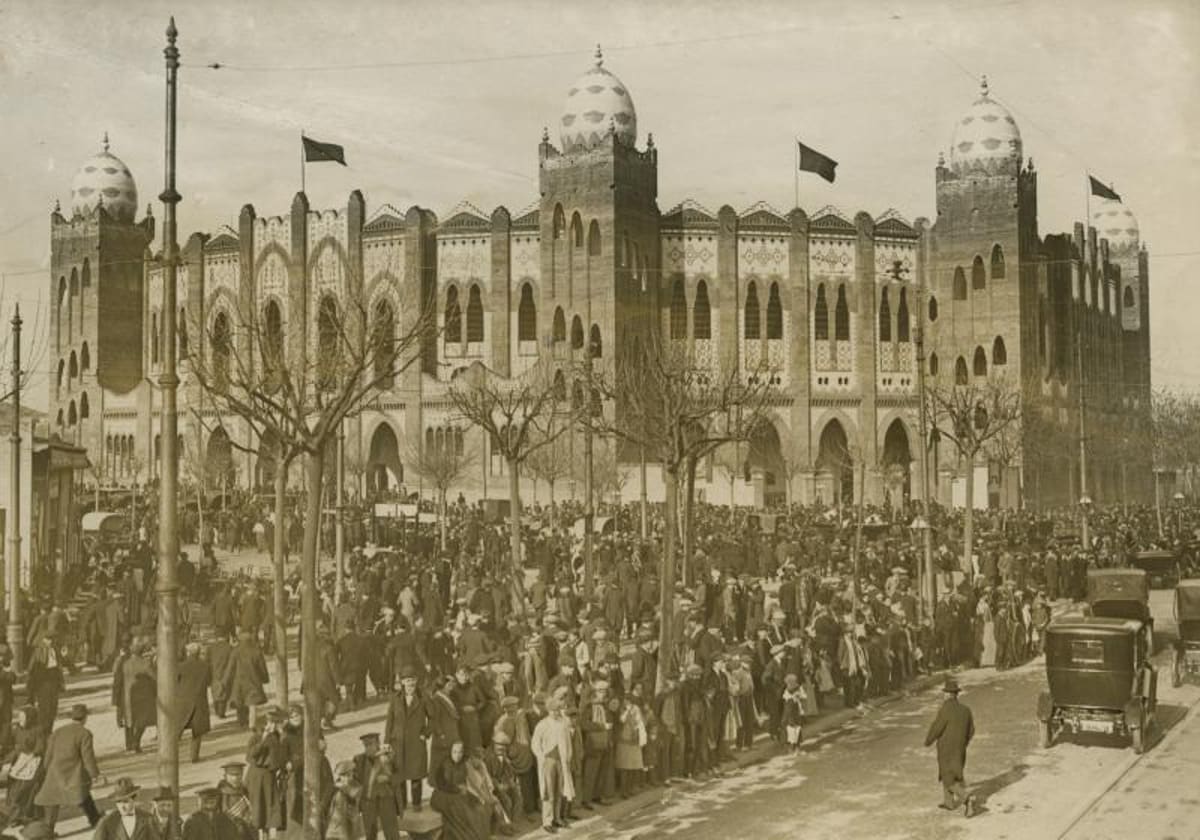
x=234, y=800
x=209, y=823
x=373, y=771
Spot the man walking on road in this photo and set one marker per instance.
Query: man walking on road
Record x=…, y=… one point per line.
x=952, y=730
x=70, y=770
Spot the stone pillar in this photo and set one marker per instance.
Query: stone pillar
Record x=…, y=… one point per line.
x=799, y=354
x=299, y=306
x=728, y=291
x=500, y=299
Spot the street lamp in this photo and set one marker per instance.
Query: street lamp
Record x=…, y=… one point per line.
x=1085, y=507
x=926, y=582
x=1178, y=499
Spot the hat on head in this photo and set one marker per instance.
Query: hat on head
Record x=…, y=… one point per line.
x=694, y=670
x=951, y=686
x=208, y=794
x=501, y=738
x=79, y=711
x=408, y=672
x=506, y=668
x=165, y=794
x=125, y=789
x=275, y=713
x=600, y=685
x=237, y=766
x=510, y=702
x=344, y=768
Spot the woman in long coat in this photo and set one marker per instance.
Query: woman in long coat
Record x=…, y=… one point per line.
x=26, y=771
x=464, y=815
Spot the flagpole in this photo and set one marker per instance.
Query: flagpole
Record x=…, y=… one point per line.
x=302, y=184
x=796, y=169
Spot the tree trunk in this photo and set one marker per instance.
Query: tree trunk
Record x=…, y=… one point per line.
x=862, y=495
x=644, y=503
x=514, y=535
x=442, y=517
x=969, y=522
x=689, y=494
x=553, y=509
x=278, y=535
x=310, y=609
x=666, y=601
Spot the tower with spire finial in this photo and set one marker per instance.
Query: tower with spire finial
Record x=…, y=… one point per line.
x=97, y=251
x=598, y=218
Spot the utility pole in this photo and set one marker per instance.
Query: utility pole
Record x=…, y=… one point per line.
x=16, y=633
x=339, y=530
x=927, y=576
x=589, y=498
x=168, y=534
x=1084, y=500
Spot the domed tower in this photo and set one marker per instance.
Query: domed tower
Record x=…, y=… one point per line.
x=979, y=283
x=97, y=259
x=598, y=220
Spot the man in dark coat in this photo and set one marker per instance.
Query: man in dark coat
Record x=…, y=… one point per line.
x=406, y=730
x=195, y=676
x=70, y=767
x=952, y=730
x=209, y=823
x=244, y=676
x=114, y=825
x=219, y=652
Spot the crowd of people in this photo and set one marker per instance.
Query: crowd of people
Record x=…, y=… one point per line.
x=521, y=701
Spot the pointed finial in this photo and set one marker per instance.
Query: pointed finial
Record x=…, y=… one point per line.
x=599, y=56
x=983, y=86
x=172, y=32
x=149, y=209
x=612, y=126
x=545, y=134
x=941, y=158
x=105, y=143
x=650, y=140
x=57, y=206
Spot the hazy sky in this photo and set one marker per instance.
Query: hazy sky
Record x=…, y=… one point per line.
x=436, y=102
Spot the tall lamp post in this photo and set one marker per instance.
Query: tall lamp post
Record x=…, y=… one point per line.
x=168, y=535
x=16, y=633
x=1085, y=508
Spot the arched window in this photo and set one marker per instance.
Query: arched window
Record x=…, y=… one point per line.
x=85, y=357
x=594, y=239
x=1129, y=299
x=181, y=330
x=59, y=419
x=83, y=406
x=577, y=396
x=560, y=386
x=960, y=284
x=960, y=371
x=902, y=322
x=626, y=254
x=678, y=309
x=383, y=344
x=439, y=440
x=475, y=314
x=85, y=276
x=460, y=444
x=576, y=230
x=429, y=440
x=221, y=344
x=526, y=315
x=576, y=333
x=752, y=328
x=997, y=262
x=272, y=349
x=328, y=335
x=452, y=324
x=979, y=365
x=73, y=367
x=71, y=415
x=999, y=352
x=841, y=316
x=978, y=275
x=933, y=364
x=58, y=313
x=774, y=313
x=701, y=313
x=885, y=318
x=595, y=344
x=821, y=315
x=560, y=221
x=73, y=304
x=154, y=343
x=933, y=309
x=560, y=325
x=61, y=367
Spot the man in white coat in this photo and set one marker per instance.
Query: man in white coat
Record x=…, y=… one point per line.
x=551, y=745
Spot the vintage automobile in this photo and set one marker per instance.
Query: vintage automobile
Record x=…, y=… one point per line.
x=1121, y=593
x=1100, y=680
x=105, y=531
x=1187, y=619
x=1161, y=566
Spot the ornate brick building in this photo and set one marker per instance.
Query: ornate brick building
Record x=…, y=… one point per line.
x=832, y=304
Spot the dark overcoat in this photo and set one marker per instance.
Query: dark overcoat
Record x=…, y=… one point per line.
x=140, y=692
x=110, y=827
x=70, y=766
x=406, y=730
x=195, y=675
x=952, y=729
x=245, y=675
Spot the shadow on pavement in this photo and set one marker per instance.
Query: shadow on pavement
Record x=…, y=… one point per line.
x=984, y=790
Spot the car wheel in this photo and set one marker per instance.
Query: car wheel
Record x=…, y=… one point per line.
x=1046, y=734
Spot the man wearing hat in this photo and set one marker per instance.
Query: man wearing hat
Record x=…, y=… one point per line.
x=209, y=823
x=127, y=822
x=373, y=771
x=162, y=814
x=406, y=730
x=234, y=799
x=192, y=696
x=70, y=764
x=952, y=731
x=506, y=780
x=553, y=747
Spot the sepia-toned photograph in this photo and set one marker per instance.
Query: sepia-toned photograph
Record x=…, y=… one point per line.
x=621, y=421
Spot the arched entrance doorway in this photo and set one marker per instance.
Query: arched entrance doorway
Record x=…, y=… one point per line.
x=384, y=459
x=897, y=463
x=833, y=459
x=766, y=459
x=218, y=458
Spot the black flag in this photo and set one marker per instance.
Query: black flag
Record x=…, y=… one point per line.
x=315, y=151
x=813, y=161
x=1103, y=191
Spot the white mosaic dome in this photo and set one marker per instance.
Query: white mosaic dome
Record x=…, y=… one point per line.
x=1113, y=221
x=986, y=137
x=595, y=102
x=105, y=179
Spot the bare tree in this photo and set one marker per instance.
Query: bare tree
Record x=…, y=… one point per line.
x=975, y=418
x=680, y=409
x=521, y=415
x=552, y=463
x=294, y=383
x=443, y=466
